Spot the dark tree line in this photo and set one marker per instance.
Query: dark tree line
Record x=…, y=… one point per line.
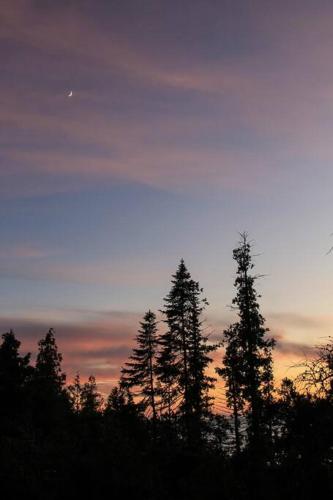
x=157, y=435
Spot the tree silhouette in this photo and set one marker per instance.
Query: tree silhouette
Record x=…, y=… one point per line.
x=122, y=414
x=120, y=401
x=184, y=353
x=14, y=373
x=140, y=372
x=91, y=399
x=48, y=385
x=48, y=364
x=248, y=352
x=75, y=394
x=317, y=374
x=57, y=442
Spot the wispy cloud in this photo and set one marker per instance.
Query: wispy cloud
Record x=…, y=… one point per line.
x=129, y=127
x=92, y=346
x=302, y=321
x=99, y=342
x=292, y=349
x=109, y=272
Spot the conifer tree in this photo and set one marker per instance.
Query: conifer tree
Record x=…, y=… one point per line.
x=50, y=399
x=139, y=373
x=91, y=399
x=48, y=364
x=121, y=409
x=184, y=352
x=120, y=401
x=75, y=394
x=14, y=373
x=248, y=359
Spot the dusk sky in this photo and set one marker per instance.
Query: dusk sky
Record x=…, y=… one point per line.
x=189, y=122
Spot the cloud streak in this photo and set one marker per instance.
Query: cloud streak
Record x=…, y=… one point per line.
x=99, y=342
x=106, y=133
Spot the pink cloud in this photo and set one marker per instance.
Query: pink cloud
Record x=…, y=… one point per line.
x=24, y=251
x=98, y=347
x=100, y=342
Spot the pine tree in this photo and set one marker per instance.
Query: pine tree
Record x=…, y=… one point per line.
x=121, y=409
x=14, y=374
x=75, y=394
x=50, y=399
x=91, y=400
x=120, y=401
x=84, y=398
x=124, y=423
x=48, y=364
x=184, y=358
x=139, y=373
x=248, y=359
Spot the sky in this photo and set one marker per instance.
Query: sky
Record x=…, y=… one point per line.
x=190, y=121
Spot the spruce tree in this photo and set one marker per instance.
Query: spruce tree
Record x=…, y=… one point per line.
x=248, y=359
x=120, y=400
x=91, y=399
x=14, y=374
x=139, y=373
x=48, y=364
x=84, y=398
x=184, y=358
x=50, y=399
x=75, y=394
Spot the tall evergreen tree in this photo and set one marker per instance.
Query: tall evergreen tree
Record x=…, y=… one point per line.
x=84, y=398
x=184, y=358
x=120, y=401
x=75, y=394
x=91, y=399
x=48, y=391
x=139, y=373
x=48, y=364
x=248, y=358
x=14, y=373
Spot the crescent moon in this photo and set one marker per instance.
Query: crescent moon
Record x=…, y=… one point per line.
x=70, y=93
